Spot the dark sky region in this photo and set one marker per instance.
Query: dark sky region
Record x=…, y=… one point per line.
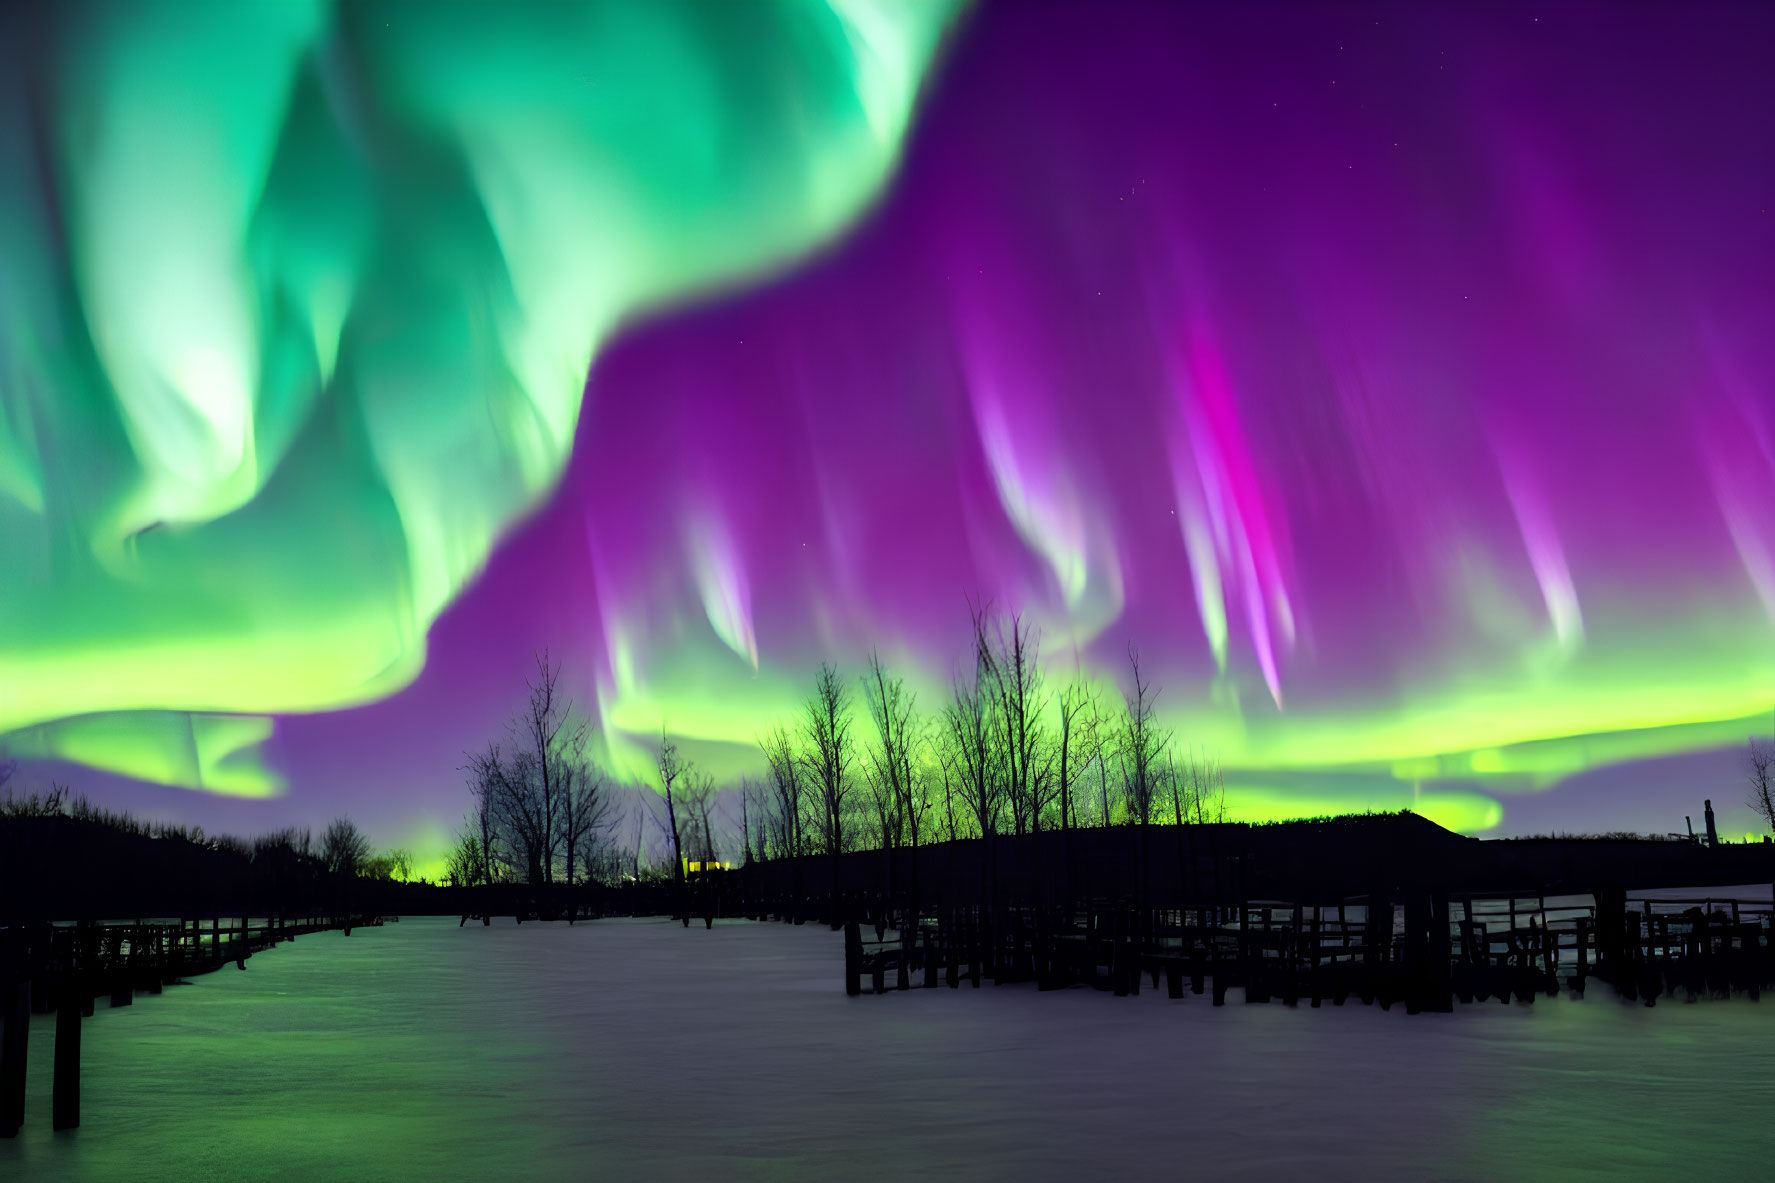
x=1397, y=377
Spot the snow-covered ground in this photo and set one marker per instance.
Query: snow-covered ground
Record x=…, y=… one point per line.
x=633, y=1049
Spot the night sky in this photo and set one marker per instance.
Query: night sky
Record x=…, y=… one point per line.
x=1397, y=378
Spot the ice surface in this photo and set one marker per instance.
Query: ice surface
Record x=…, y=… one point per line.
x=635, y=1049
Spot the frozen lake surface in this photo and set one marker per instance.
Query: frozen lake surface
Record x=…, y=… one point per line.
x=640, y=1050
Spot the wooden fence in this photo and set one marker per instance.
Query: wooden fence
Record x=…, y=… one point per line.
x=1424, y=952
x=64, y=967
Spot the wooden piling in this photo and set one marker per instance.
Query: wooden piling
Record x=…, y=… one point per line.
x=1138, y=928
x=15, y=1033
x=65, y=1098
x=1583, y=971
x=1120, y=950
x=1417, y=952
x=1378, y=931
x=976, y=931
x=951, y=951
x=1441, y=997
x=853, y=959
x=1611, y=923
x=1290, y=950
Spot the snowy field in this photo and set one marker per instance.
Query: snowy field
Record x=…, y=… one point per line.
x=632, y=1049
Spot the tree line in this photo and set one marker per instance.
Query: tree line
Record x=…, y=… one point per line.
x=861, y=765
x=343, y=850
x=865, y=766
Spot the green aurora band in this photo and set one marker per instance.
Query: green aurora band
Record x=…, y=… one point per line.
x=299, y=302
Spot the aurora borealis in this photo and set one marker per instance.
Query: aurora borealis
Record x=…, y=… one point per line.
x=299, y=308
x=1397, y=377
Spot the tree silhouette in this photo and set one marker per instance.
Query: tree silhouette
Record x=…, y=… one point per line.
x=345, y=850
x=827, y=754
x=1759, y=768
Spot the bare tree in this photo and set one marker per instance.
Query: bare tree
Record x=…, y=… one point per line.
x=480, y=839
x=1207, y=790
x=289, y=841
x=644, y=812
x=939, y=767
x=522, y=822
x=785, y=817
x=787, y=786
x=550, y=743
x=1178, y=786
x=585, y=812
x=539, y=804
x=1078, y=744
x=671, y=770
x=696, y=805
x=1142, y=753
x=828, y=752
x=462, y=865
x=1759, y=765
x=969, y=738
x=1107, y=745
x=749, y=795
x=899, y=803
x=881, y=826
x=607, y=850
x=917, y=799
x=1142, y=746
x=344, y=848
x=759, y=832
x=1011, y=655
